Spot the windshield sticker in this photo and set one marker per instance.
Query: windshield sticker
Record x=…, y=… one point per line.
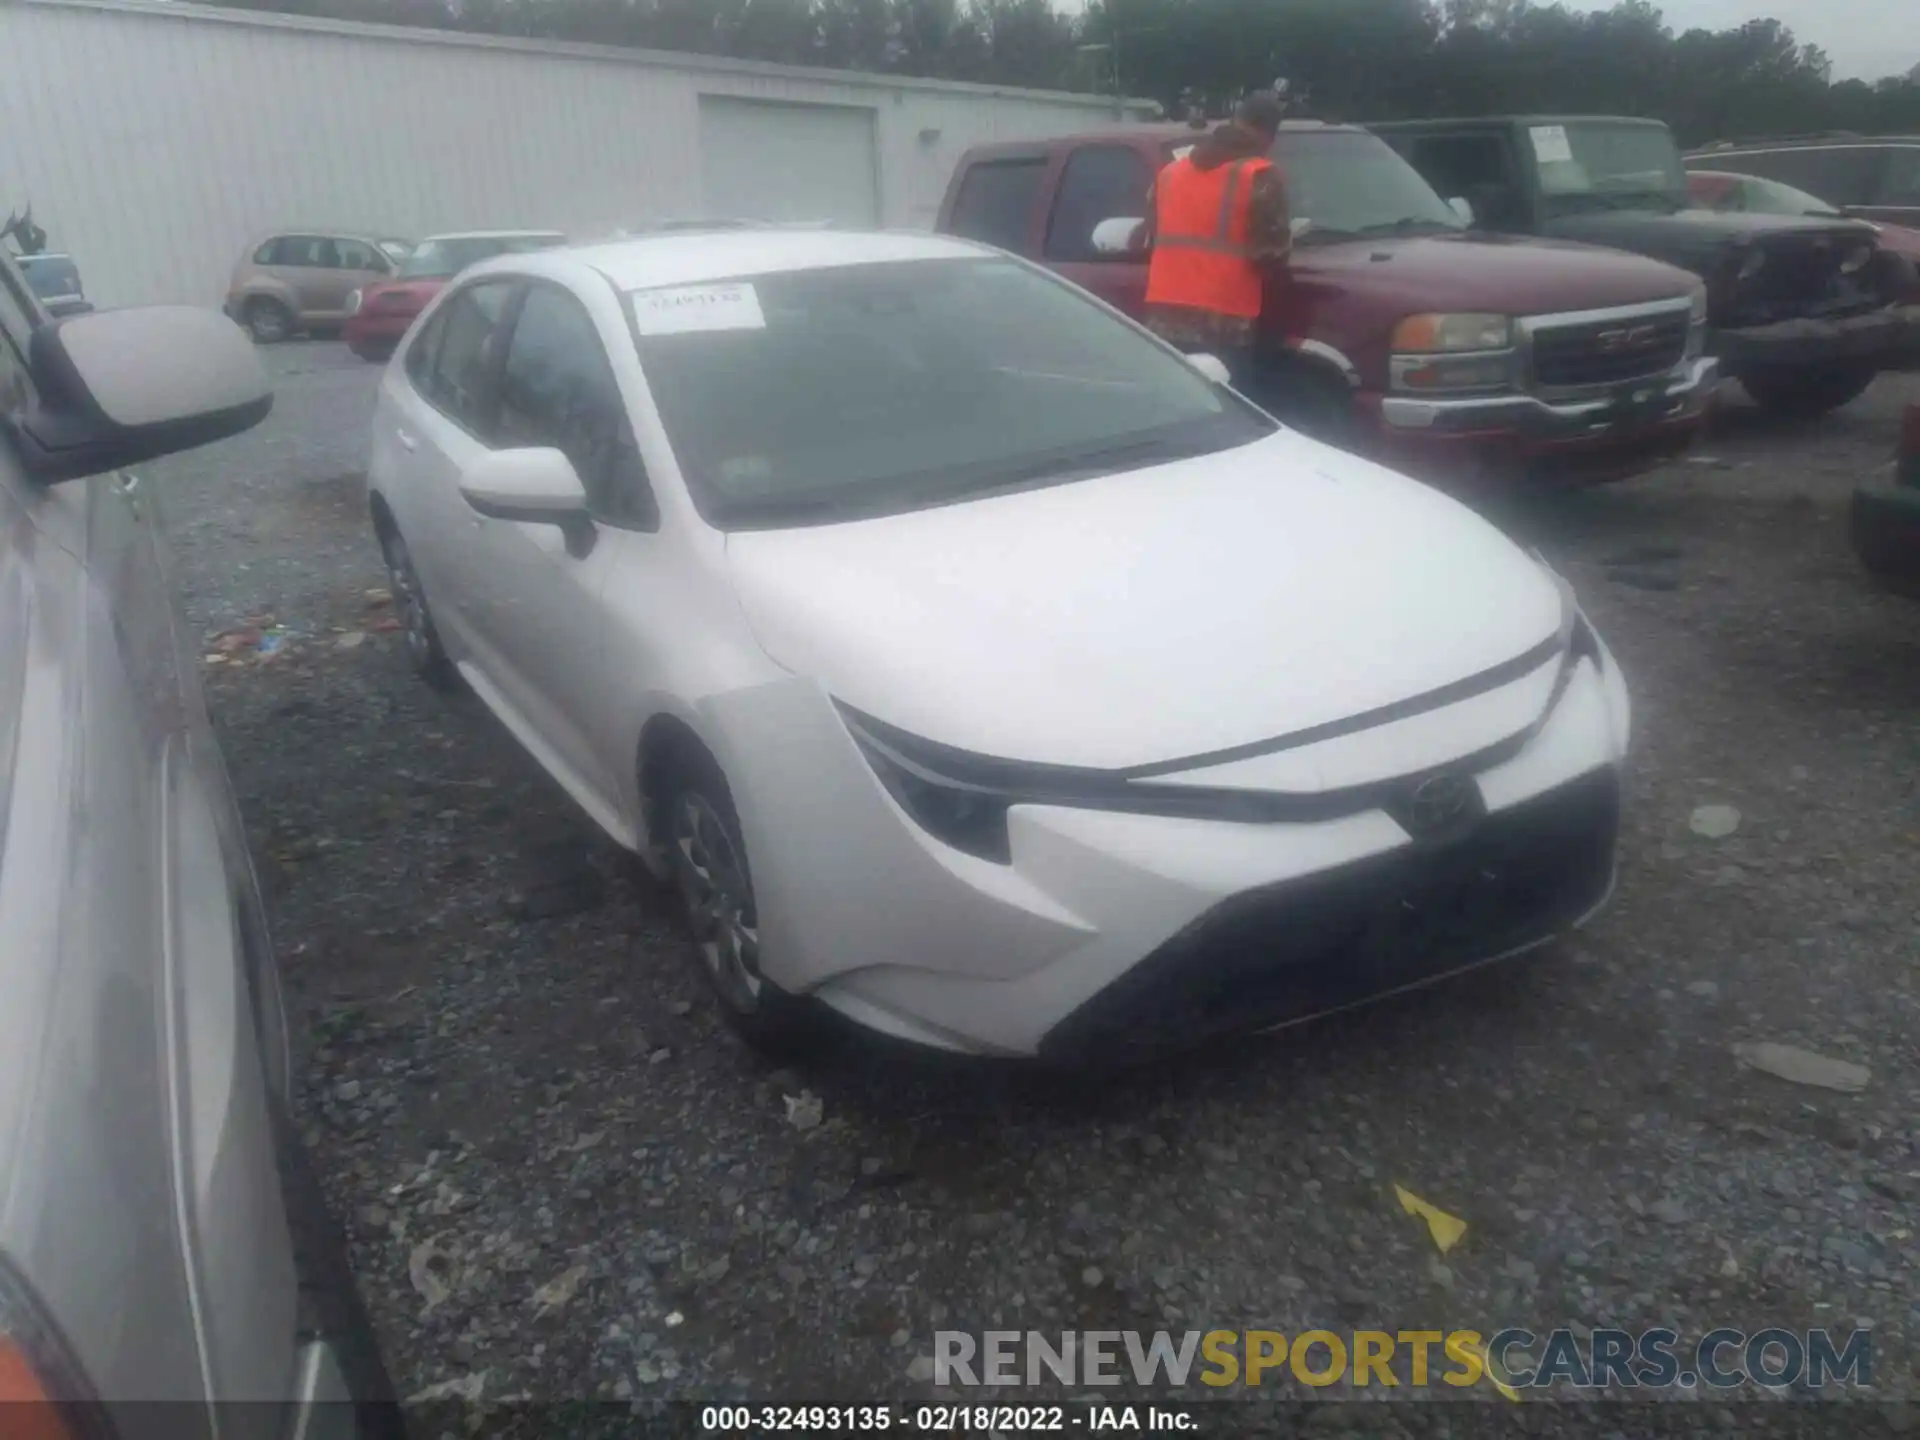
x=1550, y=143
x=686, y=309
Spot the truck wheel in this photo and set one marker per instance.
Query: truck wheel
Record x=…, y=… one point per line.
x=1319, y=407
x=1802, y=393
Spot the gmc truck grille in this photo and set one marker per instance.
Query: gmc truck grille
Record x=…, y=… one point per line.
x=1608, y=351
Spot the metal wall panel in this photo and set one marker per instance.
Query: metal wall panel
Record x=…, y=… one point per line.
x=769, y=161
x=156, y=141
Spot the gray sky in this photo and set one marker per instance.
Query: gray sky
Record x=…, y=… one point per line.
x=1865, y=39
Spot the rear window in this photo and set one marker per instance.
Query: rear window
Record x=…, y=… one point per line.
x=51, y=276
x=996, y=202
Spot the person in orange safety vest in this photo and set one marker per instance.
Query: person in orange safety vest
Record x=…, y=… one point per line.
x=1217, y=223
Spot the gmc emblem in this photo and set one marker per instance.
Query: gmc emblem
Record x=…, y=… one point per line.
x=1627, y=337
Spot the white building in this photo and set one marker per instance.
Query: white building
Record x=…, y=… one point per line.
x=156, y=140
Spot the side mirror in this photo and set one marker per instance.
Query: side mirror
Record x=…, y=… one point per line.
x=118, y=387
x=1212, y=367
x=536, y=486
x=1462, y=207
x=1115, y=237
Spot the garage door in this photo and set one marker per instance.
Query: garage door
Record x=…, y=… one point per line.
x=769, y=161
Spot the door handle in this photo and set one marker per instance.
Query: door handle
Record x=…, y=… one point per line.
x=407, y=441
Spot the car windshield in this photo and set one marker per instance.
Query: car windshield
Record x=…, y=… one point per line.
x=1597, y=165
x=812, y=396
x=1770, y=197
x=440, y=259
x=397, y=250
x=1350, y=183
x=51, y=276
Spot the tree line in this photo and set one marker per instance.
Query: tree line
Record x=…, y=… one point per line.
x=1356, y=59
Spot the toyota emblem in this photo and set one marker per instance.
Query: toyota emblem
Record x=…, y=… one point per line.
x=1437, y=802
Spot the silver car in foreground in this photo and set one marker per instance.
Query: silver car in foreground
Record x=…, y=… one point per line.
x=161, y=1239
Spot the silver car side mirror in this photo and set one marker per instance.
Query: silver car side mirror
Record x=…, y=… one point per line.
x=118, y=387
x=1212, y=367
x=1115, y=237
x=533, y=486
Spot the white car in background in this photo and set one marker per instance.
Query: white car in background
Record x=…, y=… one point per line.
x=982, y=668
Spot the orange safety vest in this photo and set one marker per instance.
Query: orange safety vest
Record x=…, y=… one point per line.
x=1202, y=225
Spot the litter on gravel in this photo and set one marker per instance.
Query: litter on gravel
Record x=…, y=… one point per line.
x=1446, y=1229
x=1803, y=1067
x=1715, y=822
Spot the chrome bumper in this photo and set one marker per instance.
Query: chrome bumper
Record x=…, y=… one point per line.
x=1656, y=400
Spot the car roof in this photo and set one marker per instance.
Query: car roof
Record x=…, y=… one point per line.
x=1162, y=130
x=494, y=235
x=1830, y=138
x=1565, y=119
x=684, y=258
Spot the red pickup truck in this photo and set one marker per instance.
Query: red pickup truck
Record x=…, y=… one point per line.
x=1398, y=331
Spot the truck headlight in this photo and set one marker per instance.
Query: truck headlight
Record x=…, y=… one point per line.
x=1437, y=353
x=1753, y=264
x=1696, y=321
x=1856, y=259
x=1451, y=334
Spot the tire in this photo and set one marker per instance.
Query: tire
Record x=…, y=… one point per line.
x=429, y=656
x=1317, y=407
x=710, y=869
x=1803, y=393
x=268, y=321
x=331, y=1306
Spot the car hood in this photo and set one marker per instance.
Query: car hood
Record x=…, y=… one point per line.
x=400, y=295
x=1155, y=615
x=1695, y=238
x=1471, y=271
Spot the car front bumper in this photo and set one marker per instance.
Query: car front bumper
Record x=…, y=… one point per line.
x=1882, y=337
x=1116, y=936
x=1603, y=434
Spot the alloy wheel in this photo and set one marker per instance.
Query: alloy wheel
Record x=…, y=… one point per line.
x=719, y=900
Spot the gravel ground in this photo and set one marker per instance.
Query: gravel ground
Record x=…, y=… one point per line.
x=563, y=1177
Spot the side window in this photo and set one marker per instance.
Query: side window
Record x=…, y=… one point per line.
x=1474, y=168
x=557, y=388
x=1839, y=175
x=1900, y=186
x=307, y=252
x=422, y=352
x=354, y=255
x=1100, y=182
x=268, y=253
x=460, y=382
x=996, y=201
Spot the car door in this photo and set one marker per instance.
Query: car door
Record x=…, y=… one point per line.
x=1099, y=182
x=542, y=614
x=360, y=265
x=434, y=411
x=306, y=264
x=145, y=1200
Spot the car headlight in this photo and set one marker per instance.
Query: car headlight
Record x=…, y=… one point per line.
x=1438, y=353
x=1753, y=264
x=1450, y=334
x=353, y=303
x=1697, y=303
x=1856, y=259
x=964, y=814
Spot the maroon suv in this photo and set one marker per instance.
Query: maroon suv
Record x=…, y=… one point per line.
x=1397, y=331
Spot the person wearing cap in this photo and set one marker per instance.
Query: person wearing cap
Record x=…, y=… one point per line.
x=1217, y=225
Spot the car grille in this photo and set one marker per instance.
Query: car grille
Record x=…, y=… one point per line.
x=1608, y=352
x=1308, y=946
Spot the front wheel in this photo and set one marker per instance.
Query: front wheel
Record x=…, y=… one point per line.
x=1804, y=393
x=268, y=321
x=710, y=870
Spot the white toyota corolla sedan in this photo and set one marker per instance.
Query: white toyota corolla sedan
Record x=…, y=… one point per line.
x=982, y=668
